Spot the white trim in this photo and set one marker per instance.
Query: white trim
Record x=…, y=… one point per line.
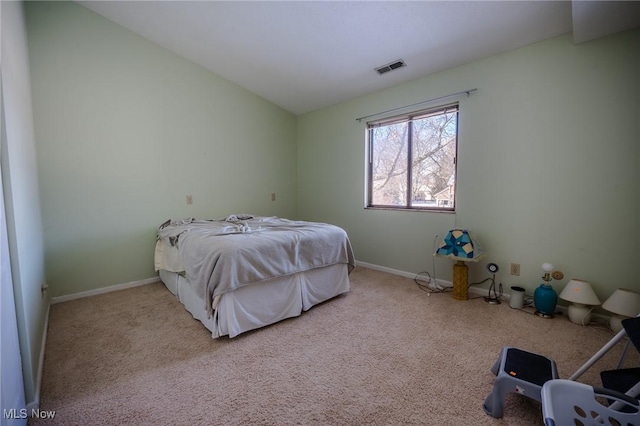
x=109, y=289
x=475, y=290
x=35, y=405
x=480, y=291
x=385, y=269
x=392, y=271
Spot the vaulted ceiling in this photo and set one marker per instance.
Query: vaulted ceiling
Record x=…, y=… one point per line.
x=305, y=55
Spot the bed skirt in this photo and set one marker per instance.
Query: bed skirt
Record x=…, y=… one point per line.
x=262, y=304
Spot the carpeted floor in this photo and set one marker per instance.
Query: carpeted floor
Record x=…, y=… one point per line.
x=385, y=353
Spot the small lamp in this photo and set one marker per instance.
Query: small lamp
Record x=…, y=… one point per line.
x=623, y=303
x=580, y=294
x=461, y=246
x=545, y=297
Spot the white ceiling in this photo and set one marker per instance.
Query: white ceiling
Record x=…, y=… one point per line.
x=305, y=55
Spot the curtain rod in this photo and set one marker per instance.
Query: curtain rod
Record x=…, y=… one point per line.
x=468, y=92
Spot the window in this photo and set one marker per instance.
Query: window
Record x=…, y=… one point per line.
x=412, y=160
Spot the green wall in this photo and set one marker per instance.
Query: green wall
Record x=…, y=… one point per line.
x=548, y=156
x=548, y=166
x=125, y=130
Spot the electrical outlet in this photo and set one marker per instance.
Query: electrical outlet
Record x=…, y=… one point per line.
x=515, y=269
x=189, y=199
x=273, y=196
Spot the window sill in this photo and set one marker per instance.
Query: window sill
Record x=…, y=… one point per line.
x=411, y=209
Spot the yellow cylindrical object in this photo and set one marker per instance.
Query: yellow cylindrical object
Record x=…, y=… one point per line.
x=460, y=281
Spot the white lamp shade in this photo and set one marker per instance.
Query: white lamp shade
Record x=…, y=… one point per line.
x=623, y=302
x=579, y=291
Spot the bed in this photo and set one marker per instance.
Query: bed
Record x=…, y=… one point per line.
x=244, y=272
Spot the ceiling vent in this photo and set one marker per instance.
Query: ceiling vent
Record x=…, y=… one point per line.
x=390, y=67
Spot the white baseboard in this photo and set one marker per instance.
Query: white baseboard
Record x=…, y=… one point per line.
x=35, y=404
x=474, y=290
x=412, y=275
x=109, y=289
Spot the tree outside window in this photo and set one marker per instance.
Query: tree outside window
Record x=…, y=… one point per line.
x=412, y=160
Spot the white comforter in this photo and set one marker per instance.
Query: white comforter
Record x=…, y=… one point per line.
x=223, y=255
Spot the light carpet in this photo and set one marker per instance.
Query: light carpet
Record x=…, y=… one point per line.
x=385, y=353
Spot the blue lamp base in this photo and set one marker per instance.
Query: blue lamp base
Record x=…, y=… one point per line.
x=545, y=299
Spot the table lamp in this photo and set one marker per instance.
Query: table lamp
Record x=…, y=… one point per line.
x=623, y=303
x=581, y=296
x=461, y=246
x=545, y=297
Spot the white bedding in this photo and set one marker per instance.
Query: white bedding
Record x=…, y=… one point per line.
x=224, y=255
x=259, y=305
x=249, y=305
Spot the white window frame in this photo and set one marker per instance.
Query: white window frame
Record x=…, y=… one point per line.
x=437, y=206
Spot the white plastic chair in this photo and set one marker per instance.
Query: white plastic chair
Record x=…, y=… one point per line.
x=565, y=402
